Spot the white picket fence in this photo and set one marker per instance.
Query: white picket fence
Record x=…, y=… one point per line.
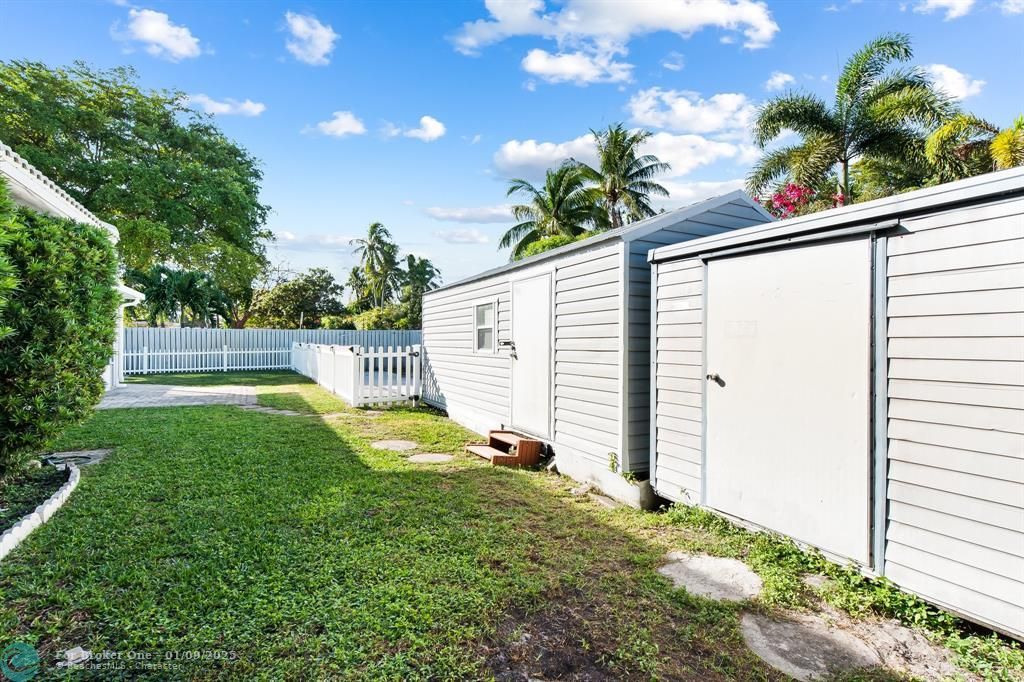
x=159, y=350
x=362, y=376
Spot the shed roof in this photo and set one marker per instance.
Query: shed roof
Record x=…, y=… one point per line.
x=626, y=233
x=948, y=195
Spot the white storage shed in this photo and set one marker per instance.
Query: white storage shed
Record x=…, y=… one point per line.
x=855, y=379
x=556, y=345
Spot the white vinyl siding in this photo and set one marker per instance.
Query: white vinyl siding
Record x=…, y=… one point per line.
x=679, y=381
x=473, y=387
x=587, y=353
x=956, y=411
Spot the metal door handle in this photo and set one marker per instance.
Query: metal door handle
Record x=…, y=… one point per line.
x=715, y=378
x=508, y=343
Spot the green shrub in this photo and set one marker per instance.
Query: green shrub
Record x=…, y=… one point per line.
x=391, y=317
x=553, y=242
x=337, y=322
x=62, y=320
x=8, y=281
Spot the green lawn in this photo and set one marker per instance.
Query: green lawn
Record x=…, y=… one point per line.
x=294, y=549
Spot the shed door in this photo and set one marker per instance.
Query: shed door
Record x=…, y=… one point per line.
x=788, y=416
x=531, y=355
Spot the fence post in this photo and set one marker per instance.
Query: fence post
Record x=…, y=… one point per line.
x=357, y=376
x=145, y=359
x=225, y=357
x=416, y=369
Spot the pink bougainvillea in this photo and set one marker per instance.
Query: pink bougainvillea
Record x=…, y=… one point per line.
x=788, y=201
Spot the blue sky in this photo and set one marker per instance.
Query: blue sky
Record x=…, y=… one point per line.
x=332, y=97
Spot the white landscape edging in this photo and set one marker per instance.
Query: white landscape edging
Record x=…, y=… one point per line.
x=40, y=515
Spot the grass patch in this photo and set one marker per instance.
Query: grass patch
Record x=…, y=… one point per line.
x=288, y=547
x=297, y=550
x=20, y=495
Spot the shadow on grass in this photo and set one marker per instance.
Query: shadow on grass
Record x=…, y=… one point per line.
x=269, y=378
x=287, y=547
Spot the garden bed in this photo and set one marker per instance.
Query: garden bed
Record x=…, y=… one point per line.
x=23, y=494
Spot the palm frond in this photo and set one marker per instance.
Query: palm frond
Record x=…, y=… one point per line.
x=803, y=113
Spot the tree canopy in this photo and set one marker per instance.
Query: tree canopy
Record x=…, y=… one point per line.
x=177, y=189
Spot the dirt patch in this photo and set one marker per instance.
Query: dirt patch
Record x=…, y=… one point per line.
x=548, y=644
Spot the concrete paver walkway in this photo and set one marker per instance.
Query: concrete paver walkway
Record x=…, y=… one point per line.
x=157, y=395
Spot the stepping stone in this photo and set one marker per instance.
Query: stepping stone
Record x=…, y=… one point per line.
x=396, y=445
x=805, y=647
x=77, y=457
x=270, y=410
x=712, y=577
x=430, y=458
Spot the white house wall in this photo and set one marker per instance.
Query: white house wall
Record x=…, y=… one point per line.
x=956, y=411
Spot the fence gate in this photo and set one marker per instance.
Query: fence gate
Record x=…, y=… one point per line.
x=362, y=376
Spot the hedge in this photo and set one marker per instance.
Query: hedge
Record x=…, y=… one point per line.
x=62, y=325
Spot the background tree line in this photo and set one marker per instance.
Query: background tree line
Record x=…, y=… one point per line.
x=185, y=200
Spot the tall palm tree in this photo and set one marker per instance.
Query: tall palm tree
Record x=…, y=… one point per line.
x=563, y=206
x=360, y=291
x=378, y=256
x=878, y=112
x=967, y=145
x=623, y=175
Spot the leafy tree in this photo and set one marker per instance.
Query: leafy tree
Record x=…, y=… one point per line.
x=877, y=113
x=624, y=176
x=967, y=145
x=420, y=276
x=387, y=317
x=190, y=297
x=157, y=284
x=563, y=206
x=300, y=303
x=177, y=189
x=62, y=322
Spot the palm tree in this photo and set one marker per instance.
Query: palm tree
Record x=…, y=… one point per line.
x=157, y=284
x=420, y=276
x=563, y=206
x=877, y=113
x=378, y=256
x=623, y=175
x=356, y=283
x=967, y=145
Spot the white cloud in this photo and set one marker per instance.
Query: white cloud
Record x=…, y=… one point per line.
x=311, y=42
x=476, y=139
x=952, y=82
x=778, y=80
x=462, y=236
x=683, y=193
x=673, y=61
x=530, y=85
x=289, y=241
x=430, y=129
x=603, y=22
x=478, y=214
x=686, y=111
x=161, y=37
x=530, y=158
x=579, y=67
x=1012, y=6
x=953, y=8
x=342, y=123
x=227, y=107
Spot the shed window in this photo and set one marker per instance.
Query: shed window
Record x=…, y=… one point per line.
x=483, y=326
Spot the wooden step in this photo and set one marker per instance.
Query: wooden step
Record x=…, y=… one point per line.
x=506, y=437
x=485, y=451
